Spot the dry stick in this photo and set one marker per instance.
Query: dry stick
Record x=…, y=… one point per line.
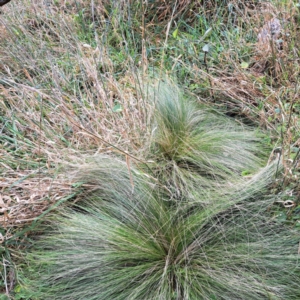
x=287, y=128
x=144, y=51
x=130, y=175
x=209, y=79
x=166, y=39
x=283, y=144
x=39, y=146
x=274, y=57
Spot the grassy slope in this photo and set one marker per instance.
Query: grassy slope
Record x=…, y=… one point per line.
x=72, y=80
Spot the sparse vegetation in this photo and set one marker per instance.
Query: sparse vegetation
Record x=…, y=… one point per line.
x=188, y=111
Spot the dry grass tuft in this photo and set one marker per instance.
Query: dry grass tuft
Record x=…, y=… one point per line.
x=26, y=195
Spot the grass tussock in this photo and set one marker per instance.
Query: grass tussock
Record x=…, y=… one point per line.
x=192, y=143
x=131, y=244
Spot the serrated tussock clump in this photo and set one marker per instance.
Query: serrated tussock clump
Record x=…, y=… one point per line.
x=126, y=241
x=195, y=146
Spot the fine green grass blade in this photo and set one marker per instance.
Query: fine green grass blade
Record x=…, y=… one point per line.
x=124, y=243
x=193, y=144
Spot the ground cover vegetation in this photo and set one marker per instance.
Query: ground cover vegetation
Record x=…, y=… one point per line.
x=149, y=149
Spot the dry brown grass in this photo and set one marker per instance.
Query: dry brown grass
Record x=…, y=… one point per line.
x=51, y=123
x=44, y=127
x=27, y=197
x=52, y=138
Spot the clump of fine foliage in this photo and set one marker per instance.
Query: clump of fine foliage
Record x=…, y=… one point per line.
x=126, y=241
x=193, y=144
